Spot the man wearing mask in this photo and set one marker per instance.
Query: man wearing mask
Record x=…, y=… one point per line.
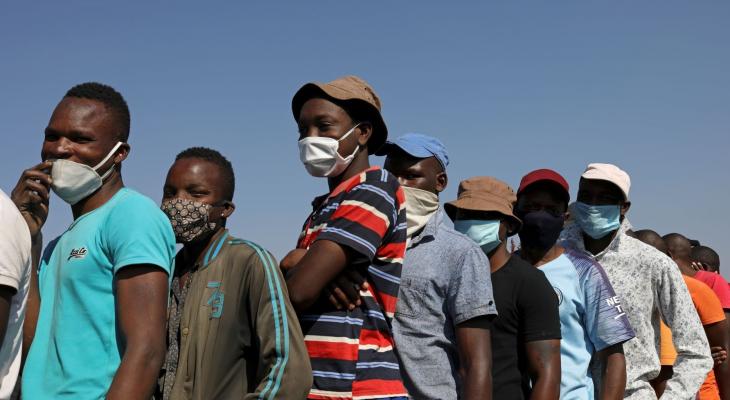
x=360, y=225
x=442, y=319
x=92, y=339
x=232, y=332
x=526, y=333
x=644, y=279
x=592, y=320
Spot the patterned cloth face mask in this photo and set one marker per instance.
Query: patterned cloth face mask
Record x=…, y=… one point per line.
x=190, y=219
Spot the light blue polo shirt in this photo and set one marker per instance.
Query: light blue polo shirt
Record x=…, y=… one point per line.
x=591, y=319
x=77, y=349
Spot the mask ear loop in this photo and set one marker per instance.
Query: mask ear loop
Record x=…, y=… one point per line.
x=108, y=156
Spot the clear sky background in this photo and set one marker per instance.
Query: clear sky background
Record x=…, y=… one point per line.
x=508, y=87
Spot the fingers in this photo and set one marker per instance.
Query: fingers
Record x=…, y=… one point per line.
x=332, y=299
x=342, y=297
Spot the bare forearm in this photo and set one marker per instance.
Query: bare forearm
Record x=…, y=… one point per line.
x=137, y=374
x=546, y=387
x=478, y=381
x=614, y=377
x=33, y=303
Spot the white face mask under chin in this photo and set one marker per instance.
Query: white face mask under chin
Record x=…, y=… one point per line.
x=321, y=157
x=74, y=181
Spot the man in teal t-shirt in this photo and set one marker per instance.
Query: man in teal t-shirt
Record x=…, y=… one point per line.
x=96, y=307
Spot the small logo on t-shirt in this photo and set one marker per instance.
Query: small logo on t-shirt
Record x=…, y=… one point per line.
x=559, y=293
x=78, y=253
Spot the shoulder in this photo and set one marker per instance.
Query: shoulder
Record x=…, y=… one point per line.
x=380, y=182
x=11, y=218
x=251, y=253
x=129, y=199
x=583, y=263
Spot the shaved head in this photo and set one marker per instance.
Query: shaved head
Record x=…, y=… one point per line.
x=678, y=246
x=651, y=238
x=706, y=256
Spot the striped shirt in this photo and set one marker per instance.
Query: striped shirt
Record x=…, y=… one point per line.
x=352, y=351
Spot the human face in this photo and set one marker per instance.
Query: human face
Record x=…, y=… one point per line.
x=541, y=197
x=420, y=173
x=83, y=131
x=196, y=179
x=323, y=118
x=601, y=193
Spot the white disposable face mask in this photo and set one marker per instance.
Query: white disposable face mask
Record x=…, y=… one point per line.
x=321, y=157
x=421, y=205
x=74, y=181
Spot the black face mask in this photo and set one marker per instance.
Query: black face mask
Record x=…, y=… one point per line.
x=540, y=229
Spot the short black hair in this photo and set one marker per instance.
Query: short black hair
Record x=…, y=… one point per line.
x=678, y=245
x=112, y=99
x=651, y=238
x=216, y=158
x=706, y=256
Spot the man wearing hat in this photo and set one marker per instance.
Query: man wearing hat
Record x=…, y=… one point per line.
x=358, y=226
x=592, y=320
x=647, y=281
x=526, y=333
x=445, y=301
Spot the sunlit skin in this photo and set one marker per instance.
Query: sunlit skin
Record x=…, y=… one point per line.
x=198, y=180
x=85, y=131
x=420, y=173
x=546, y=196
x=543, y=356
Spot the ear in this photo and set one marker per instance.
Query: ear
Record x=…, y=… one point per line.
x=625, y=208
x=442, y=180
x=122, y=153
x=365, y=131
x=228, y=209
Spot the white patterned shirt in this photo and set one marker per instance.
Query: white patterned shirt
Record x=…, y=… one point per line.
x=651, y=287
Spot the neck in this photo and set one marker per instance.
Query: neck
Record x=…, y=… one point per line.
x=685, y=266
x=193, y=252
x=539, y=257
x=360, y=163
x=595, y=246
x=499, y=257
x=100, y=197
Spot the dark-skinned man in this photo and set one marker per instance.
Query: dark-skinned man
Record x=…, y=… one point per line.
x=360, y=225
x=592, y=321
x=445, y=303
x=526, y=333
x=647, y=282
x=232, y=332
x=712, y=316
x=96, y=307
x=15, y=267
x=708, y=259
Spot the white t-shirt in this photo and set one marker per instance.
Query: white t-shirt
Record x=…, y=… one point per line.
x=15, y=267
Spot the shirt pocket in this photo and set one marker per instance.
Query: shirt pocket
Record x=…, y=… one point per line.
x=412, y=297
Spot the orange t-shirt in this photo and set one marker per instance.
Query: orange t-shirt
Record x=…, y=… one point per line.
x=710, y=311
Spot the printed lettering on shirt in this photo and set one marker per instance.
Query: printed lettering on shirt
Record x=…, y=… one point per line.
x=615, y=302
x=77, y=253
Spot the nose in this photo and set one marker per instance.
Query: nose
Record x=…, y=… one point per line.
x=57, y=149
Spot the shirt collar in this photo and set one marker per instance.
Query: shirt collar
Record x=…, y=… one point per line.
x=216, y=244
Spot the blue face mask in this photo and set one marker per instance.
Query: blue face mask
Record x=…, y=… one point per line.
x=597, y=221
x=484, y=232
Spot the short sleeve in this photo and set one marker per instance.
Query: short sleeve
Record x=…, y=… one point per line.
x=706, y=302
x=470, y=288
x=138, y=232
x=605, y=319
x=364, y=217
x=718, y=284
x=538, y=305
x=14, y=244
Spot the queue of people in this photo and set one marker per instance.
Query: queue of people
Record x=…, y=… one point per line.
x=390, y=292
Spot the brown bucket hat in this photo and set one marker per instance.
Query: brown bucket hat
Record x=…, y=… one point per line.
x=348, y=89
x=484, y=193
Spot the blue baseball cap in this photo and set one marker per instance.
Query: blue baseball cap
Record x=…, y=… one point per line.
x=417, y=145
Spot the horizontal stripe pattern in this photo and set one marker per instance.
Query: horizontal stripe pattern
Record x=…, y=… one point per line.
x=352, y=352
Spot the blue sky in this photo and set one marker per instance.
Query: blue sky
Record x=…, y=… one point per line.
x=508, y=86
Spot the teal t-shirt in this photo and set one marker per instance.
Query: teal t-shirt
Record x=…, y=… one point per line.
x=77, y=346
